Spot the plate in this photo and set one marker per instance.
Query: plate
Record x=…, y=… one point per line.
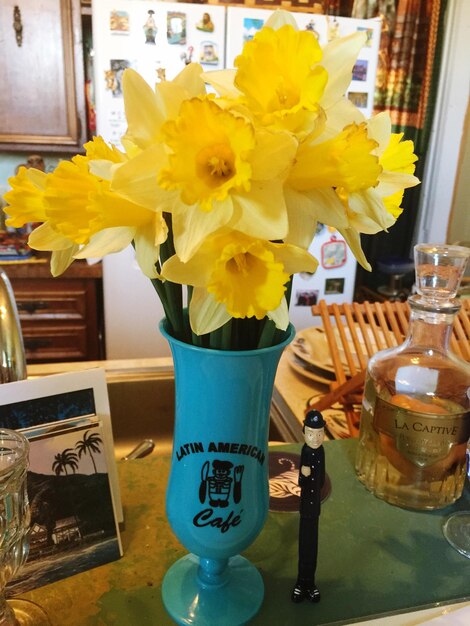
x=306, y=369
x=311, y=346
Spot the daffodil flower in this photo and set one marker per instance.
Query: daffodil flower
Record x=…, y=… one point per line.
x=81, y=217
x=353, y=182
x=218, y=171
x=237, y=276
x=26, y=204
x=300, y=84
x=26, y=197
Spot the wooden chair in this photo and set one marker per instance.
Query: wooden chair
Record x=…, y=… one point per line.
x=357, y=331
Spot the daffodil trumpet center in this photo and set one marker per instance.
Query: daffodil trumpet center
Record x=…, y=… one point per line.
x=215, y=164
x=209, y=155
x=248, y=279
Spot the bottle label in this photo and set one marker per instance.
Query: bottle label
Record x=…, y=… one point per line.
x=423, y=438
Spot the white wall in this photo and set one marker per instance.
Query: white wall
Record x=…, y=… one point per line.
x=447, y=132
x=132, y=310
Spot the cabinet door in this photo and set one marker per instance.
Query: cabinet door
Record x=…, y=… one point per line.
x=41, y=74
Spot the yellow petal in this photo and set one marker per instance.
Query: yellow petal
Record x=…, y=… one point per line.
x=62, y=259
x=136, y=179
x=144, y=107
x=102, y=169
x=261, y=212
x=274, y=154
x=195, y=272
x=302, y=218
x=205, y=314
x=295, y=259
x=98, y=149
x=380, y=128
x=392, y=182
x=44, y=237
x=328, y=208
x=280, y=18
x=398, y=156
x=26, y=198
x=353, y=240
x=147, y=250
x=223, y=81
x=191, y=80
x=106, y=242
x=280, y=316
x=341, y=114
x=339, y=58
x=191, y=225
x=368, y=213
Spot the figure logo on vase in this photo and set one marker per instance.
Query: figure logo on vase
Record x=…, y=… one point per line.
x=221, y=485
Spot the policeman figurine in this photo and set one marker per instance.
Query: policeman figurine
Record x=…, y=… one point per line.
x=311, y=481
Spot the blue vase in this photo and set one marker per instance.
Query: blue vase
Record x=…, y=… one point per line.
x=217, y=495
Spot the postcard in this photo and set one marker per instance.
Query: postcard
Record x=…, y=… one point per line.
x=72, y=477
x=60, y=397
x=73, y=524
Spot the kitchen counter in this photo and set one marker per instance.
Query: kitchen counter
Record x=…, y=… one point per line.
x=374, y=559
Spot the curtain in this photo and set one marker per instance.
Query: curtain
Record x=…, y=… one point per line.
x=406, y=86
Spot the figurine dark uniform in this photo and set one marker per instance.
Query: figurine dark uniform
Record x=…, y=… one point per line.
x=311, y=480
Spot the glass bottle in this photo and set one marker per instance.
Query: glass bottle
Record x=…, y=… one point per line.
x=415, y=419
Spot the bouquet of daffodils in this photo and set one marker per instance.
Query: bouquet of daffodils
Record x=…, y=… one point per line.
x=221, y=192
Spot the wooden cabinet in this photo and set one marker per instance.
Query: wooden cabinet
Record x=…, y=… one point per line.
x=42, y=105
x=61, y=318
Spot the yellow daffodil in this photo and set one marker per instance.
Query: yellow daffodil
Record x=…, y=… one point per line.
x=238, y=276
x=82, y=216
x=218, y=172
x=26, y=204
x=26, y=197
x=353, y=182
x=285, y=79
x=281, y=79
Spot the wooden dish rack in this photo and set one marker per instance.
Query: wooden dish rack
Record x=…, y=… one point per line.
x=357, y=331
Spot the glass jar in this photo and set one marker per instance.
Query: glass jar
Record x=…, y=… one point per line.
x=415, y=419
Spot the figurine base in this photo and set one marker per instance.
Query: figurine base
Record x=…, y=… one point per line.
x=233, y=603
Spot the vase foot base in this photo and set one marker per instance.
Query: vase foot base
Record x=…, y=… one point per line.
x=232, y=604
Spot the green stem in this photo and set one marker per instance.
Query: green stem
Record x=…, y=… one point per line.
x=267, y=334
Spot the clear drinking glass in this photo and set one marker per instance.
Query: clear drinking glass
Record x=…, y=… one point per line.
x=456, y=528
x=14, y=527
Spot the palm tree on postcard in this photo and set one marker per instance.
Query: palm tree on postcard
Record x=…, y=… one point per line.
x=65, y=459
x=90, y=443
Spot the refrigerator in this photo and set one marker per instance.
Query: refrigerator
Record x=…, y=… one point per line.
x=157, y=39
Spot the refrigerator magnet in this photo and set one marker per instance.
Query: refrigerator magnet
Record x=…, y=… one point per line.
x=150, y=28
x=208, y=53
x=333, y=253
x=119, y=22
x=176, y=28
x=206, y=24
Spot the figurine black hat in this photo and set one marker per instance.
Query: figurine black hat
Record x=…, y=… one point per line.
x=314, y=419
